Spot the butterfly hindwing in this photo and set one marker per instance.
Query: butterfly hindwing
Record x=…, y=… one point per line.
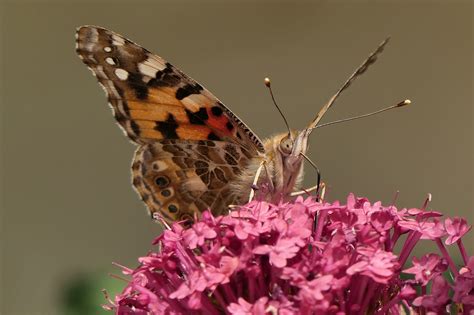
x=179, y=178
x=153, y=100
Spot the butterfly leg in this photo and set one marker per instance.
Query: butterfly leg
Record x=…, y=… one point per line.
x=255, y=180
x=269, y=178
x=304, y=191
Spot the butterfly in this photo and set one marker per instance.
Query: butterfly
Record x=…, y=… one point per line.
x=193, y=152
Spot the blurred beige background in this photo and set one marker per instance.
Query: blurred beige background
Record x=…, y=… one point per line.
x=68, y=209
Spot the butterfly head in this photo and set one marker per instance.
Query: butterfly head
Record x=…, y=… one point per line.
x=291, y=147
x=285, y=160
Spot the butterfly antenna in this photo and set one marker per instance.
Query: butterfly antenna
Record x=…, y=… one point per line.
x=269, y=86
x=359, y=71
x=428, y=199
x=401, y=104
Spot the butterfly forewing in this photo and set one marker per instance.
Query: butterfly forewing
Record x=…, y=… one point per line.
x=190, y=145
x=153, y=100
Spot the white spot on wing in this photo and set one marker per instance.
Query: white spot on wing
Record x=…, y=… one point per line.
x=150, y=67
x=107, y=49
x=194, y=102
x=121, y=74
x=117, y=40
x=110, y=61
x=159, y=166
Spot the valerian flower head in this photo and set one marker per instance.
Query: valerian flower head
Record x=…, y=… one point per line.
x=302, y=257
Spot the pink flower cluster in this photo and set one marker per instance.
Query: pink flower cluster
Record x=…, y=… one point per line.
x=304, y=257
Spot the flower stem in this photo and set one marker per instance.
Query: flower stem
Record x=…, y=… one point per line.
x=219, y=298
x=395, y=236
x=207, y=306
x=462, y=249
x=368, y=296
x=446, y=255
x=361, y=288
x=342, y=300
x=410, y=243
x=229, y=293
x=423, y=292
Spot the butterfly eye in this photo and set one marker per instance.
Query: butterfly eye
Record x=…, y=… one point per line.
x=286, y=146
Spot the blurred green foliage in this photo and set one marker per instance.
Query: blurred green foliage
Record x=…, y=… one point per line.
x=82, y=294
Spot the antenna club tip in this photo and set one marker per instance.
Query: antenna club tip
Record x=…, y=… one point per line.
x=267, y=82
x=404, y=103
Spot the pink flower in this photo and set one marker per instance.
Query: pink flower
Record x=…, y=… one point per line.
x=468, y=270
x=456, y=228
x=314, y=295
x=426, y=268
x=241, y=308
x=264, y=258
x=376, y=264
x=198, y=233
x=429, y=229
x=382, y=221
x=437, y=300
x=313, y=291
x=464, y=285
x=283, y=249
x=407, y=293
x=245, y=308
x=464, y=291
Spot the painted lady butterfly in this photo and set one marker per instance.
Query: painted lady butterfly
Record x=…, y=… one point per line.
x=193, y=152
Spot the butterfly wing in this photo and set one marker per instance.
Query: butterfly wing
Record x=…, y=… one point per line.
x=178, y=178
x=190, y=145
x=153, y=100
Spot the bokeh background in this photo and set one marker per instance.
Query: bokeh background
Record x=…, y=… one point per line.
x=68, y=209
